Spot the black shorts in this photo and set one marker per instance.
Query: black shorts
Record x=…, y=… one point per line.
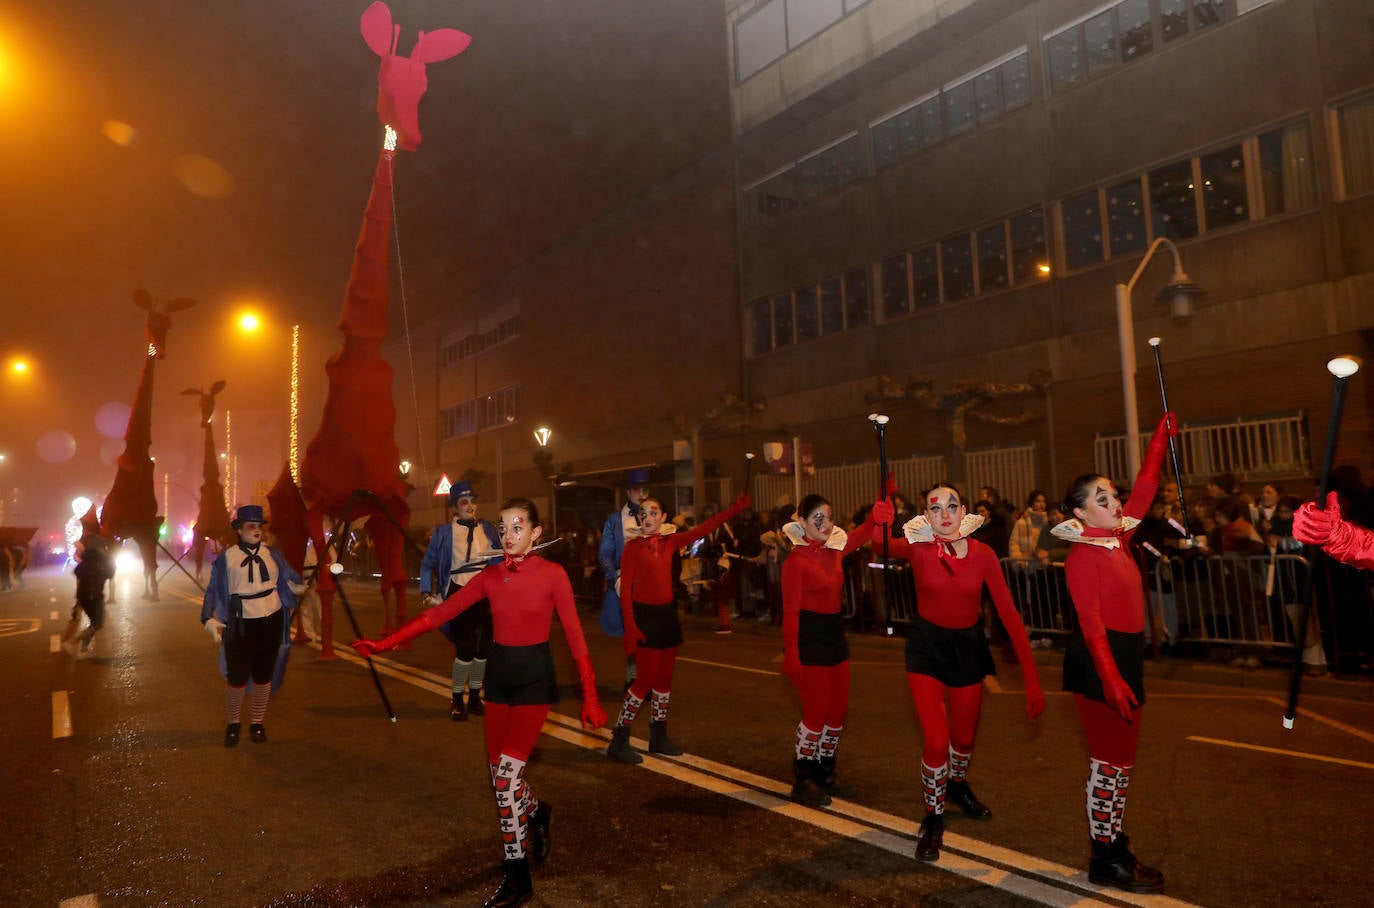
x=821, y=639
x=1128, y=651
x=252, y=653
x=954, y=656
x=521, y=675
x=659, y=625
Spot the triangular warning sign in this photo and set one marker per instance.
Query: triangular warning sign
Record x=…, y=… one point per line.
x=444, y=485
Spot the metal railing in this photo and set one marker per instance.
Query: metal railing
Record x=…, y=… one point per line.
x=850, y=486
x=1011, y=471
x=1253, y=447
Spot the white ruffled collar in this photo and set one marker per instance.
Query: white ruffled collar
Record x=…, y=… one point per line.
x=918, y=529
x=796, y=533
x=1071, y=530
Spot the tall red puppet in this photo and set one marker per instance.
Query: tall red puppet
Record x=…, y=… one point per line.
x=355, y=449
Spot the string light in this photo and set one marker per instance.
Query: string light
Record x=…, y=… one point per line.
x=229, y=461
x=295, y=400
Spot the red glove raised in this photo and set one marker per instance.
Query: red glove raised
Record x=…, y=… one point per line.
x=1313, y=525
x=632, y=639
x=1159, y=443
x=593, y=716
x=1115, y=690
x=882, y=512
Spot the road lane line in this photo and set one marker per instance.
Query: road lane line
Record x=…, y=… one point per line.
x=88, y=900
x=54, y=643
x=61, y=715
x=1317, y=717
x=1053, y=884
x=1283, y=753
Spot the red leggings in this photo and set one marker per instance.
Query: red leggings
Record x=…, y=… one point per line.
x=824, y=693
x=513, y=730
x=940, y=729
x=655, y=671
x=1110, y=738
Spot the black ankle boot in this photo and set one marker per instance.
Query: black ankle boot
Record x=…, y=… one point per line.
x=960, y=793
x=805, y=790
x=475, y=704
x=516, y=887
x=620, y=748
x=931, y=838
x=541, y=818
x=1114, y=865
x=458, y=712
x=660, y=743
x=825, y=778
x=231, y=735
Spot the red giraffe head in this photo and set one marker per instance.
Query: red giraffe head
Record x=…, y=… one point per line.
x=401, y=82
x=159, y=322
x=207, y=401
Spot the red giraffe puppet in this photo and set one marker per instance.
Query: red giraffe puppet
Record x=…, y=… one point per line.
x=212, y=519
x=130, y=510
x=355, y=450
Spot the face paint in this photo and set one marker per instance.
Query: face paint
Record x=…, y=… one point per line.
x=945, y=512
x=1102, y=509
x=819, y=524
x=517, y=534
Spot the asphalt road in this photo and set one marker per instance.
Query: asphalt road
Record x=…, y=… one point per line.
x=119, y=792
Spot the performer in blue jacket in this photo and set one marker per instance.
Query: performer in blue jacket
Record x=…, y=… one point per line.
x=247, y=609
x=457, y=551
x=613, y=536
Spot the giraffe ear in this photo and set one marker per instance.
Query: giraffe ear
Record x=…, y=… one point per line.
x=178, y=304
x=440, y=45
x=376, y=26
x=217, y=387
x=143, y=300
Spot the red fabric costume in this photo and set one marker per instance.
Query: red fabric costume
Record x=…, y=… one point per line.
x=1348, y=543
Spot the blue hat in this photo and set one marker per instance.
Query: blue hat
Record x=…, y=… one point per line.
x=637, y=478
x=248, y=513
x=461, y=489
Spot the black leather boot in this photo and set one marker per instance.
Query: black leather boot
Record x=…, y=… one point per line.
x=960, y=793
x=231, y=735
x=516, y=887
x=1114, y=865
x=459, y=711
x=931, y=838
x=475, y=704
x=541, y=818
x=256, y=733
x=660, y=743
x=805, y=790
x=620, y=748
x=825, y=778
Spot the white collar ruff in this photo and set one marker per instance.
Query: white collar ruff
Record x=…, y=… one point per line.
x=1071, y=530
x=918, y=529
x=796, y=533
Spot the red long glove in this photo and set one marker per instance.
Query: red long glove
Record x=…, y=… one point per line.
x=1035, y=697
x=882, y=512
x=1159, y=444
x=1115, y=690
x=633, y=637
x=1342, y=540
x=593, y=716
x=408, y=631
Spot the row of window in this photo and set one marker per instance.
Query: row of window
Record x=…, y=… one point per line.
x=472, y=416
x=476, y=343
x=778, y=26
x=830, y=306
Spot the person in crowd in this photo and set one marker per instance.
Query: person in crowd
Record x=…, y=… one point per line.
x=1262, y=511
x=1025, y=532
x=653, y=632
x=525, y=592
x=774, y=549
x=1238, y=535
x=620, y=526
x=1049, y=548
x=94, y=566
x=998, y=522
x=947, y=652
x=1104, y=660
x=1286, y=588
x=457, y=551
x=247, y=610
x=713, y=552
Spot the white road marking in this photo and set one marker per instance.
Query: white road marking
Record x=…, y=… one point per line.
x=1315, y=717
x=61, y=715
x=81, y=901
x=54, y=643
x=1283, y=753
x=52, y=616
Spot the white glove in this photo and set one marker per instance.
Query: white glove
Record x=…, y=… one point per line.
x=429, y=600
x=298, y=588
x=617, y=587
x=215, y=627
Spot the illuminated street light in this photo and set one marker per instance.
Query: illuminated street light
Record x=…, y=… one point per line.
x=249, y=322
x=405, y=468
x=542, y=435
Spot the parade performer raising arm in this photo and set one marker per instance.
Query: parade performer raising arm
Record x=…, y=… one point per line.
x=652, y=630
x=1104, y=660
x=525, y=591
x=947, y=654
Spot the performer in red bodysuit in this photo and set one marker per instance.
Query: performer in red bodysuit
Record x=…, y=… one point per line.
x=1348, y=543
x=1104, y=661
x=524, y=591
x=947, y=654
x=815, y=651
x=652, y=631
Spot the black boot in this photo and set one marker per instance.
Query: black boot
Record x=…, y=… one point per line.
x=459, y=711
x=541, y=818
x=620, y=748
x=256, y=733
x=931, y=838
x=475, y=704
x=659, y=742
x=960, y=793
x=825, y=778
x=231, y=735
x=516, y=887
x=805, y=790
x=1114, y=865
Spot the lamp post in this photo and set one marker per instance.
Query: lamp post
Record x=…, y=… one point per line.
x=542, y=435
x=1180, y=294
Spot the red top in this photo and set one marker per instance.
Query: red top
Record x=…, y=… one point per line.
x=1104, y=583
x=812, y=579
x=522, y=604
x=646, y=567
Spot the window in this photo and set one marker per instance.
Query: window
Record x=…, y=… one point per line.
x=1355, y=125
x=808, y=18
x=1173, y=206
x=1082, y=218
x=832, y=306
x=782, y=320
x=1099, y=42
x=808, y=315
x=776, y=195
x=835, y=304
x=1224, y=196
x=471, y=416
x=1286, y=176
x=1016, y=81
x=1137, y=32
x=1028, y=252
x=761, y=326
x=1066, y=59
x=828, y=170
x=925, y=277
x=856, y=298
x=894, y=286
x=956, y=268
x=1122, y=32
x=1126, y=217
x=960, y=107
x=992, y=258
x=988, y=95
x=760, y=39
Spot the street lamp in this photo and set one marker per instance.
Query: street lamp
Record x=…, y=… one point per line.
x=542, y=435
x=1179, y=294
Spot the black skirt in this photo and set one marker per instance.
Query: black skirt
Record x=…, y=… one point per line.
x=1128, y=651
x=521, y=675
x=821, y=639
x=659, y=625
x=954, y=656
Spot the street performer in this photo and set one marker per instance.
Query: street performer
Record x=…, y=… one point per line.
x=524, y=591
x=247, y=609
x=1105, y=659
x=457, y=551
